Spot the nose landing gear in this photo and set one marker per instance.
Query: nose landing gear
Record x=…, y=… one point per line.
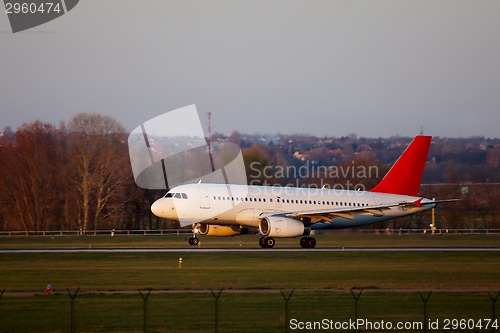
x=193, y=240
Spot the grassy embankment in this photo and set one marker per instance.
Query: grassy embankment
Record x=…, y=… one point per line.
x=251, y=300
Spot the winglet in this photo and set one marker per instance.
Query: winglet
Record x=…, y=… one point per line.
x=406, y=174
x=418, y=202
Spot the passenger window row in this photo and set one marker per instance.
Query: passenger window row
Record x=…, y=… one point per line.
x=241, y=199
x=296, y=201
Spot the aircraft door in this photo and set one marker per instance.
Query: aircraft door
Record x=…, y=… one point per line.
x=204, y=199
x=378, y=200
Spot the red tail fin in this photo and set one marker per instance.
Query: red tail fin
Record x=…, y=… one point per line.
x=406, y=174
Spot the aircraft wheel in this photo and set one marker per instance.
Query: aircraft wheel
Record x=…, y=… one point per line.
x=307, y=242
x=267, y=242
x=193, y=241
x=311, y=243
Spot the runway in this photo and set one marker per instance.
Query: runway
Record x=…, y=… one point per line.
x=247, y=250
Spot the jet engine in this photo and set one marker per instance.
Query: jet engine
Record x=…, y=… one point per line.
x=220, y=230
x=277, y=226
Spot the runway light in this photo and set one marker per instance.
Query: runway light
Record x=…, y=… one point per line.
x=180, y=263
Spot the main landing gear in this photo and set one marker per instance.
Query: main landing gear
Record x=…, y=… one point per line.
x=266, y=242
x=307, y=242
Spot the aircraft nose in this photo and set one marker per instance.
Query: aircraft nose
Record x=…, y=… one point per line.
x=163, y=208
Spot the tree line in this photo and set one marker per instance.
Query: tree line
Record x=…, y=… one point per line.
x=454, y=170
x=77, y=176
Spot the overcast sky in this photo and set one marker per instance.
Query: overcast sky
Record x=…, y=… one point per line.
x=374, y=68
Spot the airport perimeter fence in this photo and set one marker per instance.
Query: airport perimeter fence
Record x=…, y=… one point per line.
x=357, y=310
x=184, y=231
x=113, y=232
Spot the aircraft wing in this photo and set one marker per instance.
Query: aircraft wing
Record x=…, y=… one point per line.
x=327, y=215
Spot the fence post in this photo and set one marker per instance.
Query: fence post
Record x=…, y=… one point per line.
x=144, y=297
x=216, y=297
x=72, y=296
x=425, y=299
x=287, y=300
x=494, y=300
x=1, y=294
x=356, y=299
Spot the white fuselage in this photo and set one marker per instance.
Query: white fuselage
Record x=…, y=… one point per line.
x=246, y=205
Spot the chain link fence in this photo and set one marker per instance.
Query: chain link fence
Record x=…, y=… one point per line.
x=357, y=310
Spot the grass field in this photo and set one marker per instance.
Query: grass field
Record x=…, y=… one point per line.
x=341, y=239
x=109, y=300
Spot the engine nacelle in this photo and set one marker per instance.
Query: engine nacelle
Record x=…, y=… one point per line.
x=277, y=226
x=220, y=230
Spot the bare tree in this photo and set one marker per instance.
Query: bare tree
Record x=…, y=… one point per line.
x=30, y=175
x=97, y=162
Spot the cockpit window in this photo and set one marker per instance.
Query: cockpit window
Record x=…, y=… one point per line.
x=176, y=195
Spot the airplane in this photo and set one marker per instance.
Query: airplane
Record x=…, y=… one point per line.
x=280, y=212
